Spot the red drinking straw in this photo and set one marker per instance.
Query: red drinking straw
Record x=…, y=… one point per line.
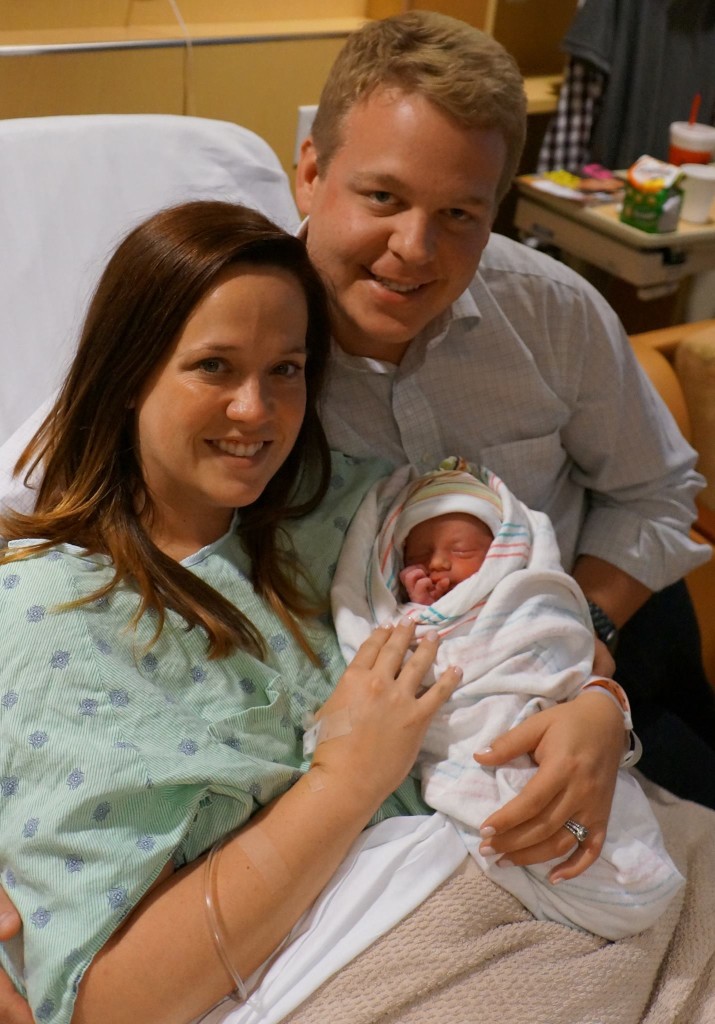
x=694, y=108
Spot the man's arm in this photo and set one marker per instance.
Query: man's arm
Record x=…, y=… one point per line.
x=591, y=420
x=638, y=469
x=612, y=589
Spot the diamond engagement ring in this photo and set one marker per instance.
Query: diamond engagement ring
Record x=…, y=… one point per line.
x=579, y=832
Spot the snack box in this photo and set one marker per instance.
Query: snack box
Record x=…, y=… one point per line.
x=653, y=198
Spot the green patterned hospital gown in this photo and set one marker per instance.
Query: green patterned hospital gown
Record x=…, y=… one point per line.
x=116, y=756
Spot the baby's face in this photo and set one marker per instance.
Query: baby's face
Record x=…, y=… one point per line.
x=451, y=547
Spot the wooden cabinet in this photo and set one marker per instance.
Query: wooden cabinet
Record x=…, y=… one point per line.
x=530, y=29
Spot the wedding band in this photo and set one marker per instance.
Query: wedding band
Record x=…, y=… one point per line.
x=579, y=832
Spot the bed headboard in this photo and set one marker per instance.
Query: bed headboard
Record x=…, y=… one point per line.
x=70, y=188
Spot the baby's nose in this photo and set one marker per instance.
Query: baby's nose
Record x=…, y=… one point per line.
x=440, y=560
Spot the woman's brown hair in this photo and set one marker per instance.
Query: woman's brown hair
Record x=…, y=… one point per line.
x=91, y=480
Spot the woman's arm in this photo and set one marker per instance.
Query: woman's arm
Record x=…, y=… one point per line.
x=578, y=746
x=163, y=960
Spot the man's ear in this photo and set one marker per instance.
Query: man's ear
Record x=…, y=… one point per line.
x=306, y=175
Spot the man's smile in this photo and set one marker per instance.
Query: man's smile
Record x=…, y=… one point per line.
x=396, y=286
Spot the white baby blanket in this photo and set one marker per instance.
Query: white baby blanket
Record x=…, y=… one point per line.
x=520, y=630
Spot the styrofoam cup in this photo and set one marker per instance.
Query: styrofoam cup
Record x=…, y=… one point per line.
x=699, y=192
x=691, y=143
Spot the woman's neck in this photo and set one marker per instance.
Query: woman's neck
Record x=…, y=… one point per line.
x=179, y=538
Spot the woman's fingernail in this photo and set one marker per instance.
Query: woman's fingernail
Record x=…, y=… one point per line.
x=487, y=850
x=432, y=635
x=487, y=750
x=385, y=625
x=504, y=863
x=456, y=671
x=405, y=621
x=555, y=881
x=487, y=831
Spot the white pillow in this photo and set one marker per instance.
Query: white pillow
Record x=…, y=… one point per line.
x=13, y=492
x=70, y=189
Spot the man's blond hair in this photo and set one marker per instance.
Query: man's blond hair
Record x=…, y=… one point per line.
x=461, y=70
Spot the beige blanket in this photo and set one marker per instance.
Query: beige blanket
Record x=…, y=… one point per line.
x=472, y=954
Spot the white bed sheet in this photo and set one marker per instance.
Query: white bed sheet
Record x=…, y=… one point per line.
x=390, y=870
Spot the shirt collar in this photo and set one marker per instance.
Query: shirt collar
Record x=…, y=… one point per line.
x=463, y=308
x=340, y=357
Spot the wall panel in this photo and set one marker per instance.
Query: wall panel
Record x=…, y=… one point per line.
x=110, y=82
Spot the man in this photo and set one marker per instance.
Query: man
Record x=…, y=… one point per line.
x=449, y=343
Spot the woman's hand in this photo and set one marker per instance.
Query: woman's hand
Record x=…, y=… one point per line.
x=373, y=723
x=578, y=747
x=13, y=1008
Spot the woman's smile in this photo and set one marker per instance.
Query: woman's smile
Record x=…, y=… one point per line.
x=239, y=448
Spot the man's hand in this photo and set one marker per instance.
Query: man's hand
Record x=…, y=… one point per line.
x=13, y=1008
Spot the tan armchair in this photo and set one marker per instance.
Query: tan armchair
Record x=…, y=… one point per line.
x=680, y=362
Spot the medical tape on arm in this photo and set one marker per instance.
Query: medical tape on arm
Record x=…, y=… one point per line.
x=327, y=727
x=263, y=854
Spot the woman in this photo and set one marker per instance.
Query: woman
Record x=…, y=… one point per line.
x=155, y=639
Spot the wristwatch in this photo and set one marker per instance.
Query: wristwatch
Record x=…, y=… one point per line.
x=603, y=627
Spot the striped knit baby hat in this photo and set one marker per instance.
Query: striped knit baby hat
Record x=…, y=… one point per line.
x=451, y=488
